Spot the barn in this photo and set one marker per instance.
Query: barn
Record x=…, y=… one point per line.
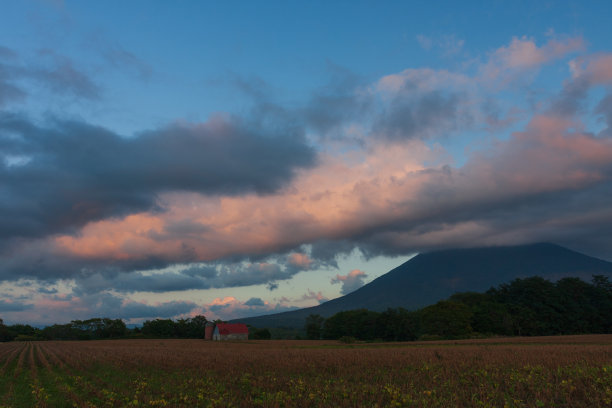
x=230, y=331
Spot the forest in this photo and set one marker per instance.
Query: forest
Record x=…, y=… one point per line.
x=524, y=307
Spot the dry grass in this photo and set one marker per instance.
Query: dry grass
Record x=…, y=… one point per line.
x=565, y=371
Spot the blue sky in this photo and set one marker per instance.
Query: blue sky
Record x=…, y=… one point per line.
x=237, y=158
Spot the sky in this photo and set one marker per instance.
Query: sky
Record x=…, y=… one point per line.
x=169, y=159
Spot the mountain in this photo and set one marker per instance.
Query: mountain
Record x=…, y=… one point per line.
x=430, y=277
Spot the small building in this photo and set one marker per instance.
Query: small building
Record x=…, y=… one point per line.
x=230, y=331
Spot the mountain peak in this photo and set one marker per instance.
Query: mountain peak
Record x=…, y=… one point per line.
x=433, y=276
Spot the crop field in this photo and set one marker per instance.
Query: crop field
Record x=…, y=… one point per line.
x=570, y=371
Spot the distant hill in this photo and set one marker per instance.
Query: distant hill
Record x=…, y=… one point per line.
x=430, y=277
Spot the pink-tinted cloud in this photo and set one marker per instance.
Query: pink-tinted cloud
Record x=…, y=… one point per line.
x=230, y=308
x=318, y=296
x=523, y=55
x=321, y=204
x=380, y=193
x=422, y=80
x=595, y=69
x=350, y=282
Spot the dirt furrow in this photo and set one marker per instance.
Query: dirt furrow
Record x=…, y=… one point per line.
x=46, y=350
x=32, y=362
x=11, y=355
x=66, y=364
x=40, y=355
x=6, y=349
x=20, y=362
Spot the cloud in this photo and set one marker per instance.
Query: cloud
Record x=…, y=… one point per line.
x=383, y=200
x=597, y=69
x=56, y=73
x=195, y=276
x=318, y=296
x=228, y=308
x=77, y=173
x=46, y=308
x=604, y=107
x=121, y=58
x=350, y=282
x=337, y=103
x=422, y=116
x=254, y=302
x=9, y=306
x=425, y=42
x=233, y=202
x=522, y=55
x=61, y=76
x=133, y=310
x=448, y=44
x=587, y=72
x=9, y=73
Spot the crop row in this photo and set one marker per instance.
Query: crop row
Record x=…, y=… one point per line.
x=195, y=373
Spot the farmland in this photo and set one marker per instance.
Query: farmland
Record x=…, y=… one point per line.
x=568, y=371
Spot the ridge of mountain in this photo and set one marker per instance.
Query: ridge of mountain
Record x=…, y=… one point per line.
x=433, y=276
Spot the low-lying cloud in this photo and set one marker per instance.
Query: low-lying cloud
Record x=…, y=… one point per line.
x=350, y=282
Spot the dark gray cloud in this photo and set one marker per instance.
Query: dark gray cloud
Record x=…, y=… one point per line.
x=9, y=73
x=165, y=310
x=72, y=172
x=604, y=108
x=121, y=58
x=571, y=99
x=255, y=302
x=327, y=251
x=14, y=306
x=107, y=304
x=48, y=291
x=341, y=100
x=92, y=279
x=420, y=115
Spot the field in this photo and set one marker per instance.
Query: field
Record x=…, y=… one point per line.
x=569, y=371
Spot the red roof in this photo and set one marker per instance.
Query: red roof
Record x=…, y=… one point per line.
x=232, y=328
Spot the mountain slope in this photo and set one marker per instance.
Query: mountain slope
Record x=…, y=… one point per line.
x=430, y=277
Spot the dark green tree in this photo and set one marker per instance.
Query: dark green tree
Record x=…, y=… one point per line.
x=397, y=325
x=534, y=304
x=159, y=328
x=447, y=319
x=360, y=324
x=602, y=302
x=260, y=334
x=5, y=334
x=314, y=324
x=488, y=316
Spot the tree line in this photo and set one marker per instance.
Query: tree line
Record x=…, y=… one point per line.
x=105, y=328
x=524, y=307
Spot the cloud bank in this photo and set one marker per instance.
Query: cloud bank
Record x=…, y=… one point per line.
x=254, y=199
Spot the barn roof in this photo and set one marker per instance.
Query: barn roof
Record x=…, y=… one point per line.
x=232, y=328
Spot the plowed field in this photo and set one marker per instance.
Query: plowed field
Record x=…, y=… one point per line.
x=571, y=371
